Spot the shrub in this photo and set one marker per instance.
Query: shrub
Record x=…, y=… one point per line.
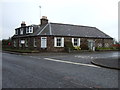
x=68, y=46
x=116, y=46
x=104, y=48
x=84, y=47
x=77, y=48
x=6, y=43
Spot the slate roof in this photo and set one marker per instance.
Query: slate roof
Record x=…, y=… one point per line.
x=58, y=29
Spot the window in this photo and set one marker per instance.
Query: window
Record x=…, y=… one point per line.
x=59, y=42
x=106, y=45
x=30, y=29
x=27, y=30
x=14, y=43
x=99, y=44
x=26, y=42
x=22, y=41
x=76, y=41
x=21, y=31
x=35, y=43
x=16, y=32
x=43, y=42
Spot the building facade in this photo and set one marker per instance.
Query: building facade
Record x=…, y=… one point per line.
x=55, y=37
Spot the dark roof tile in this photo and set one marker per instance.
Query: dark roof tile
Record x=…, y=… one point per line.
x=59, y=29
x=77, y=30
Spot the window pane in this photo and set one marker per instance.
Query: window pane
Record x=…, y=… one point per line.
x=21, y=31
x=75, y=41
x=106, y=45
x=58, y=44
x=14, y=43
x=99, y=45
x=58, y=41
x=27, y=30
x=75, y=44
x=26, y=43
x=30, y=29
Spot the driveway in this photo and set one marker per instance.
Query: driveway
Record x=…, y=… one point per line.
x=57, y=70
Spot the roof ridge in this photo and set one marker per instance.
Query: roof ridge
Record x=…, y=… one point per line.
x=72, y=25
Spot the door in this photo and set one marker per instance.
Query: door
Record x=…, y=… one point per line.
x=91, y=45
x=43, y=42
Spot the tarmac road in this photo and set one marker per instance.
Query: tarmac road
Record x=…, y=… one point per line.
x=56, y=71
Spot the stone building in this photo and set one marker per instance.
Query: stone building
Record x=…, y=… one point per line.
x=54, y=36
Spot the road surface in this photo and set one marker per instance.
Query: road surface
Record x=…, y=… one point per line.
x=60, y=70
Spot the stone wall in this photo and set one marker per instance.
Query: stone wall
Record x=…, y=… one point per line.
x=50, y=43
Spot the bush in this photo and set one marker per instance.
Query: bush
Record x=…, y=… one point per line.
x=6, y=43
x=68, y=46
x=84, y=47
x=116, y=46
x=104, y=48
x=77, y=48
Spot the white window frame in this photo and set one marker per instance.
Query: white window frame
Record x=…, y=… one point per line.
x=21, y=31
x=27, y=30
x=78, y=42
x=20, y=43
x=107, y=45
x=26, y=42
x=99, y=44
x=34, y=42
x=55, y=41
x=14, y=43
x=30, y=29
x=43, y=42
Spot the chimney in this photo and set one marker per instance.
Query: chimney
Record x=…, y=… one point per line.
x=23, y=24
x=44, y=20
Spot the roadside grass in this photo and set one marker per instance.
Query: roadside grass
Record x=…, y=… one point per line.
x=19, y=50
x=105, y=48
x=71, y=50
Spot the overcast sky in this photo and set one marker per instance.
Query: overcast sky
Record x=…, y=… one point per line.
x=102, y=14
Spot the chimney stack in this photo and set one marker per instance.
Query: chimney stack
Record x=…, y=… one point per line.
x=23, y=24
x=44, y=20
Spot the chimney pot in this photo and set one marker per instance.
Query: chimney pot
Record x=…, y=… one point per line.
x=44, y=17
x=44, y=20
x=23, y=24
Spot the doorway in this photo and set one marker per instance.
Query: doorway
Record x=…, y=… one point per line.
x=91, y=45
x=43, y=42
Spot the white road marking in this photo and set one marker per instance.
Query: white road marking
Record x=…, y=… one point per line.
x=34, y=57
x=71, y=62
